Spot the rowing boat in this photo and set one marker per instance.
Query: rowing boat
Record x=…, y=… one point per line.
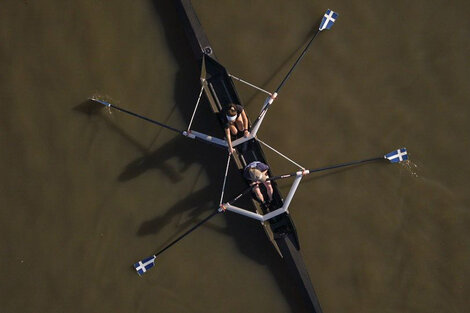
x=220, y=91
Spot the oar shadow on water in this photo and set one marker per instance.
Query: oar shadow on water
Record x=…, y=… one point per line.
x=158, y=159
x=275, y=73
x=198, y=203
x=148, y=160
x=89, y=107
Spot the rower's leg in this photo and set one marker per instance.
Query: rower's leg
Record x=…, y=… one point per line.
x=258, y=193
x=233, y=130
x=269, y=190
x=239, y=124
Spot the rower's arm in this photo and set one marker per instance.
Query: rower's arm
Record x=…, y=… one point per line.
x=228, y=138
x=245, y=120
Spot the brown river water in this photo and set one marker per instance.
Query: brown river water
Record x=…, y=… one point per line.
x=86, y=193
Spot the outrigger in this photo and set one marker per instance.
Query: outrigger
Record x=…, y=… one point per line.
x=219, y=89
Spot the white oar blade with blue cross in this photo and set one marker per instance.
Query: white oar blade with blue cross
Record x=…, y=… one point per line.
x=396, y=156
x=328, y=20
x=143, y=266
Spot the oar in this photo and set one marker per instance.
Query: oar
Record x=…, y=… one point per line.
x=144, y=265
x=109, y=105
x=396, y=156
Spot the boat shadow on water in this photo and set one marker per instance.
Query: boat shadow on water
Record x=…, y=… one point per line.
x=248, y=235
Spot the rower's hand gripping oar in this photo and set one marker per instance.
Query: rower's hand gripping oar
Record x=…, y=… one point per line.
x=327, y=22
x=395, y=156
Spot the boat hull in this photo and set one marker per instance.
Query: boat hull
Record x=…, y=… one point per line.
x=221, y=93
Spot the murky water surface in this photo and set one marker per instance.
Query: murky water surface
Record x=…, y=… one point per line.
x=84, y=194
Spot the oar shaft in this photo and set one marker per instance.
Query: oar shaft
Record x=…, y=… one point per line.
x=138, y=116
x=187, y=232
x=346, y=164
x=328, y=168
x=247, y=190
x=296, y=62
x=269, y=100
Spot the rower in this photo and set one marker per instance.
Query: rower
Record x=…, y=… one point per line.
x=257, y=172
x=235, y=121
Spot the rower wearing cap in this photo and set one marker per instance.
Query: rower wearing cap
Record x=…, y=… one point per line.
x=235, y=121
x=257, y=172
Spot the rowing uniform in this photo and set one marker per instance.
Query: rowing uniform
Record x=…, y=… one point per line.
x=239, y=110
x=256, y=165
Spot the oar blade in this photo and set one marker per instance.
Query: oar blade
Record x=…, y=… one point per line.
x=328, y=20
x=143, y=266
x=398, y=155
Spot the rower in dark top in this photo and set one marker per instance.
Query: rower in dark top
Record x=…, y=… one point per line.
x=235, y=121
x=257, y=172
